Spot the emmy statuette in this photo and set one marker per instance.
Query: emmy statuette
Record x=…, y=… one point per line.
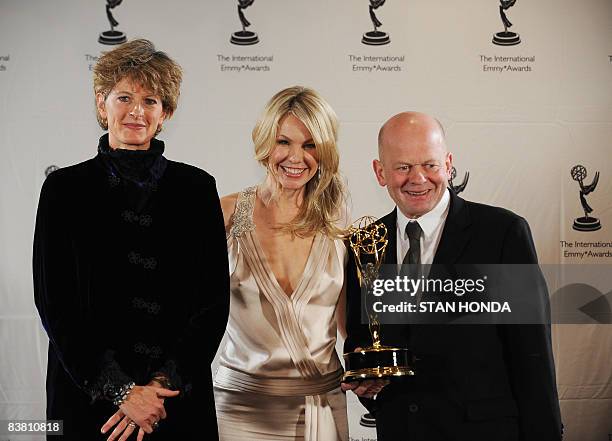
x=113, y=36
x=586, y=223
x=368, y=242
x=506, y=37
x=244, y=37
x=375, y=37
x=458, y=188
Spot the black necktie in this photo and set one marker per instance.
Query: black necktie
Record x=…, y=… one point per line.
x=413, y=256
x=413, y=231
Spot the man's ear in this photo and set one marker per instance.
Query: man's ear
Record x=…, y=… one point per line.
x=379, y=172
x=449, y=164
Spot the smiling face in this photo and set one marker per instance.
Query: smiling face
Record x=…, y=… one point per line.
x=414, y=163
x=133, y=115
x=294, y=159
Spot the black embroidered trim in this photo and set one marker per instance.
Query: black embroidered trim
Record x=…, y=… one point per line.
x=142, y=167
x=110, y=381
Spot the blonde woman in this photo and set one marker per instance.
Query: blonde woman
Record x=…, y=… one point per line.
x=279, y=373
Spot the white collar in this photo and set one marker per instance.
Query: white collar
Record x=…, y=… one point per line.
x=429, y=221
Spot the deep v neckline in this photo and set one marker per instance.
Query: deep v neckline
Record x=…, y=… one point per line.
x=263, y=257
x=265, y=262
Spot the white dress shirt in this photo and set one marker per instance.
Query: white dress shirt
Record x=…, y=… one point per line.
x=432, y=224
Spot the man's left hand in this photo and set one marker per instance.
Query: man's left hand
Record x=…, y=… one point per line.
x=365, y=388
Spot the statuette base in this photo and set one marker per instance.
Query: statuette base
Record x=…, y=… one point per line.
x=376, y=38
x=112, y=37
x=244, y=38
x=587, y=223
x=506, y=38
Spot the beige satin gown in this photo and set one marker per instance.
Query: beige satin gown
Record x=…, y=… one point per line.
x=279, y=374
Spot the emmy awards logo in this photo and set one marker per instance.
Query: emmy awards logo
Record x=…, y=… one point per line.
x=51, y=169
x=586, y=223
x=112, y=36
x=506, y=38
x=244, y=37
x=458, y=188
x=368, y=241
x=375, y=37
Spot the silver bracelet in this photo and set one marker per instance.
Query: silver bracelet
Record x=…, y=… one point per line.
x=123, y=393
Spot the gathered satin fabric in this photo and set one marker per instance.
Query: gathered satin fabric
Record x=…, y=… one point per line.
x=279, y=374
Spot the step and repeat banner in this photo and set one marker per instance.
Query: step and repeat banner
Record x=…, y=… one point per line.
x=523, y=89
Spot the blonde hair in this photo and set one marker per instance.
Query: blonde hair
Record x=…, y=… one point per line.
x=138, y=61
x=325, y=195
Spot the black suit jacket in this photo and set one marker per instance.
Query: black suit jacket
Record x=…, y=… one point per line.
x=473, y=382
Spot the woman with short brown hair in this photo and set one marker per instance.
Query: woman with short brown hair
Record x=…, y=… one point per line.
x=130, y=268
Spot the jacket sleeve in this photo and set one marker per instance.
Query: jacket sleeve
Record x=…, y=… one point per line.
x=207, y=311
x=61, y=298
x=357, y=334
x=528, y=351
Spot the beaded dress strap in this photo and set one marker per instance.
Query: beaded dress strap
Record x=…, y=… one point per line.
x=242, y=219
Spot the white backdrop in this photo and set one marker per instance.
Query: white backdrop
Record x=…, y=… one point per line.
x=517, y=131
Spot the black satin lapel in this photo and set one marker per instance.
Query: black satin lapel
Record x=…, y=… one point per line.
x=390, y=221
x=456, y=233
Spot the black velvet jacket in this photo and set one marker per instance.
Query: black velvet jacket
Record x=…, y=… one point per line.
x=130, y=279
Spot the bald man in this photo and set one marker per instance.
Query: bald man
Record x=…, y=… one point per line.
x=473, y=382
